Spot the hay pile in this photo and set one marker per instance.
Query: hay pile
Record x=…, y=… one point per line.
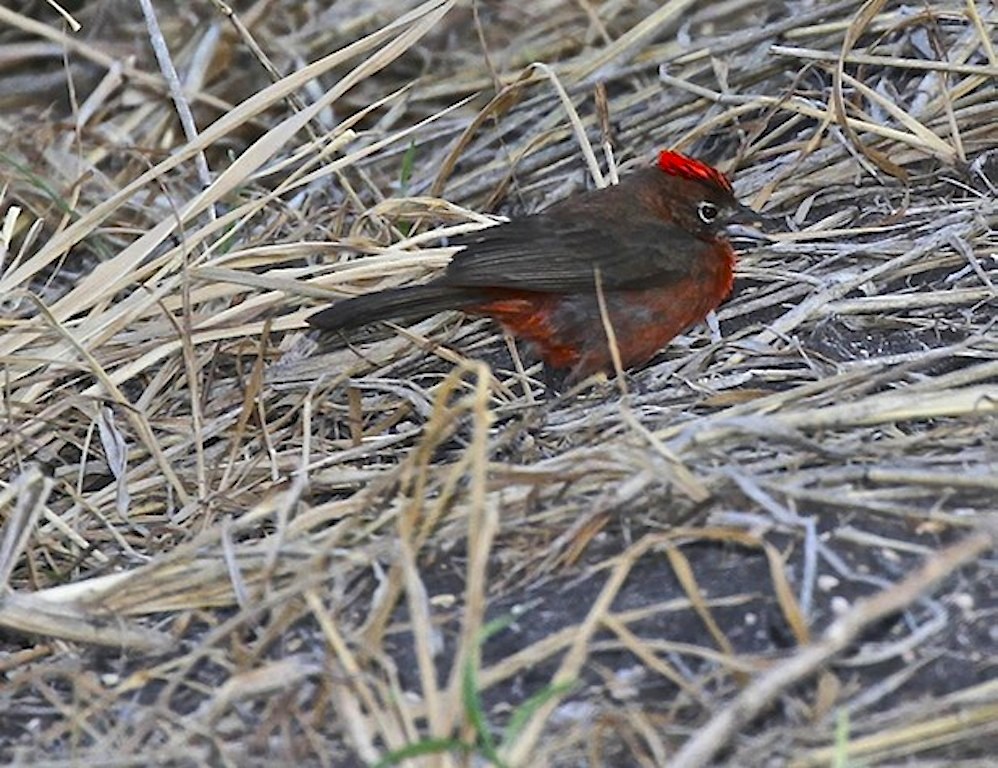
x=223, y=545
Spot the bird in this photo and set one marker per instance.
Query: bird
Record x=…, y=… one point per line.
x=650, y=255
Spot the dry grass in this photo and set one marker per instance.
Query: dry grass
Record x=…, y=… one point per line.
x=223, y=546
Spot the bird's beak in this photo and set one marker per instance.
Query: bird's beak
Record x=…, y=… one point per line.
x=742, y=221
x=742, y=214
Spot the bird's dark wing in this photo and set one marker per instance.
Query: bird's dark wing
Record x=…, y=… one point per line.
x=558, y=251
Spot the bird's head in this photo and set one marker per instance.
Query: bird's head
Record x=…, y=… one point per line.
x=698, y=197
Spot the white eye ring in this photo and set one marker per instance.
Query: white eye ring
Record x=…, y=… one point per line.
x=707, y=212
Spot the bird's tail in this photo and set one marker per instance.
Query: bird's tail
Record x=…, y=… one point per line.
x=409, y=303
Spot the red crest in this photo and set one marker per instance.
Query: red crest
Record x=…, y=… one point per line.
x=676, y=164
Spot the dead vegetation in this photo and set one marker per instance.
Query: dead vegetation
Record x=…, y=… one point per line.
x=222, y=546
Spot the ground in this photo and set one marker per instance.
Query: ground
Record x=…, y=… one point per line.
x=229, y=541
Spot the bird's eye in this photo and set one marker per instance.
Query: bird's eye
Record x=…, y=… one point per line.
x=707, y=212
